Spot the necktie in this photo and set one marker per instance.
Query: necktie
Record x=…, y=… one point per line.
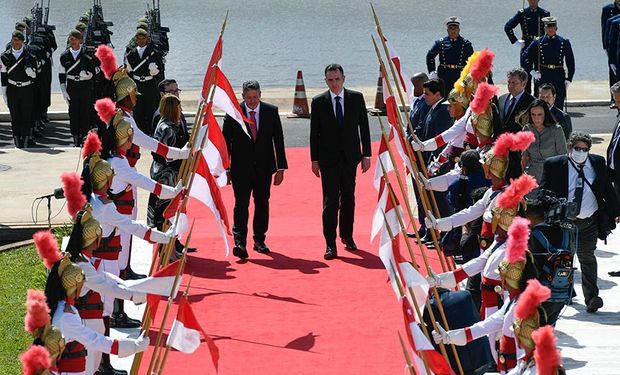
x=253, y=125
x=510, y=107
x=579, y=188
x=339, y=114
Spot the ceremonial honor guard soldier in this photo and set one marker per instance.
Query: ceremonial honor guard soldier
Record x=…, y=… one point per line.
x=548, y=54
x=75, y=74
x=143, y=64
x=17, y=76
x=453, y=51
x=530, y=20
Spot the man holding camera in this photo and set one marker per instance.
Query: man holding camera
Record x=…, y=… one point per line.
x=582, y=178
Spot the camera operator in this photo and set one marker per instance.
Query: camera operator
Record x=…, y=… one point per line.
x=552, y=228
x=582, y=178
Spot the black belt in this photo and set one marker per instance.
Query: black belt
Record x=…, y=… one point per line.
x=452, y=66
x=89, y=306
x=552, y=66
x=72, y=355
x=488, y=287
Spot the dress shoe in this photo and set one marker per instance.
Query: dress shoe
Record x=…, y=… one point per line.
x=179, y=247
x=430, y=244
x=614, y=273
x=107, y=369
x=349, y=244
x=130, y=275
x=330, y=253
x=77, y=141
x=261, y=248
x=421, y=233
x=612, y=106
x=121, y=320
x=594, y=304
x=426, y=238
x=240, y=252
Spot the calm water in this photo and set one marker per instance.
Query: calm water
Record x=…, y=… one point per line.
x=270, y=40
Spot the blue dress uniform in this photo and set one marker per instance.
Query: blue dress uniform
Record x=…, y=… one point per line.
x=548, y=55
x=453, y=55
x=530, y=20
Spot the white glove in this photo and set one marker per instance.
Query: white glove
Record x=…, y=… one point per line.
x=30, y=72
x=153, y=70
x=65, y=94
x=161, y=237
x=138, y=298
x=84, y=75
x=425, y=182
x=433, y=75
x=416, y=146
x=520, y=43
x=535, y=74
x=443, y=224
x=613, y=68
x=567, y=83
x=127, y=347
x=443, y=280
x=432, y=169
x=456, y=336
x=168, y=192
x=179, y=153
x=6, y=99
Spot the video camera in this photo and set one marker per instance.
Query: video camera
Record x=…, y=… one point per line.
x=561, y=212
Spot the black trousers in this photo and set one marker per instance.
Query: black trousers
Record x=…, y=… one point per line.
x=80, y=106
x=587, y=236
x=338, y=185
x=21, y=109
x=449, y=76
x=257, y=184
x=556, y=77
x=148, y=102
x=46, y=92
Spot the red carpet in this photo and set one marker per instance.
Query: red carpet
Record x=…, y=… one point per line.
x=291, y=312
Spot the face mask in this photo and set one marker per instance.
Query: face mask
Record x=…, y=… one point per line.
x=579, y=157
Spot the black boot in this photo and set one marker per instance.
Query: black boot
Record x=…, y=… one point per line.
x=178, y=247
x=16, y=140
x=128, y=274
x=120, y=319
x=77, y=140
x=22, y=142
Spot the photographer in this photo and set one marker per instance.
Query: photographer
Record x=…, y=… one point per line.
x=582, y=178
x=551, y=229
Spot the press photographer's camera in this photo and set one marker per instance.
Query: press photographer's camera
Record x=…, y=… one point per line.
x=561, y=212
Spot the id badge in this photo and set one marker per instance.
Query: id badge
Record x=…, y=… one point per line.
x=580, y=182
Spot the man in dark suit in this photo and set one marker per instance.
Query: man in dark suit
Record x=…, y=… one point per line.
x=583, y=178
x=511, y=105
x=338, y=124
x=613, y=152
x=256, y=153
x=546, y=92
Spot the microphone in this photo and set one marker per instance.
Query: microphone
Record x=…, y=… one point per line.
x=58, y=194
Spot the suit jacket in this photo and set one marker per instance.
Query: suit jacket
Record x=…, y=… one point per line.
x=328, y=141
x=267, y=153
x=509, y=120
x=555, y=178
x=614, y=173
x=563, y=119
x=437, y=120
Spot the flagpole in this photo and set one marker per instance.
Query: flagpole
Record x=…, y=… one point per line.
x=397, y=83
x=405, y=352
x=159, y=370
x=392, y=198
x=146, y=323
x=165, y=250
x=399, y=130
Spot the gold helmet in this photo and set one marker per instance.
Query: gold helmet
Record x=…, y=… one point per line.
x=515, y=258
x=91, y=229
x=511, y=200
x=124, y=85
x=527, y=315
x=122, y=128
x=483, y=122
x=496, y=165
x=496, y=160
x=71, y=276
x=53, y=341
x=100, y=171
x=458, y=97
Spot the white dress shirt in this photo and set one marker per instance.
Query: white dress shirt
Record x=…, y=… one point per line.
x=17, y=52
x=141, y=51
x=74, y=53
x=341, y=95
x=589, y=204
x=257, y=114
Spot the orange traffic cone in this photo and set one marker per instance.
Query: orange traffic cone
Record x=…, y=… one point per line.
x=379, y=103
x=300, y=103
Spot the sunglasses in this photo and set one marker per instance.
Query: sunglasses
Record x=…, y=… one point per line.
x=584, y=149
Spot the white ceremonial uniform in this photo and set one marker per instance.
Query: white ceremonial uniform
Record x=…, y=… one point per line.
x=484, y=204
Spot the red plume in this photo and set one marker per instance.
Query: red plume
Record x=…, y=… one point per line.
x=518, y=235
x=483, y=65
x=72, y=186
x=546, y=355
x=91, y=145
x=47, y=247
x=35, y=359
x=106, y=109
x=516, y=191
x=532, y=296
x=484, y=94
x=512, y=142
x=37, y=311
x=107, y=57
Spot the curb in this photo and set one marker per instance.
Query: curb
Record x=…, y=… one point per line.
x=15, y=245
